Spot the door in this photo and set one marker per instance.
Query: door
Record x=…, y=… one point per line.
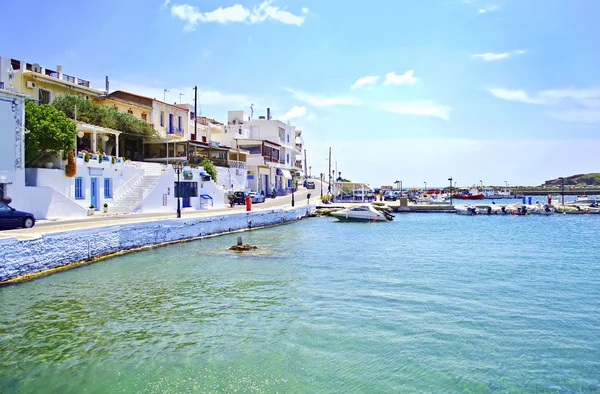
x=94, y=193
x=267, y=188
x=186, y=202
x=170, y=123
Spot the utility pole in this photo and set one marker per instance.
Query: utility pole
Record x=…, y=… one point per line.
x=195, y=112
x=305, y=173
x=329, y=172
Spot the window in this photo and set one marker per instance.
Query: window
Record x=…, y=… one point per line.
x=186, y=189
x=162, y=119
x=144, y=117
x=44, y=96
x=79, y=188
x=129, y=111
x=107, y=188
x=288, y=138
x=179, y=123
x=240, y=131
x=288, y=158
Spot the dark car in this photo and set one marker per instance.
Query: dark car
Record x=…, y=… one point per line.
x=240, y=198
x=389, y=196
x=310, y=185
x=11, y=218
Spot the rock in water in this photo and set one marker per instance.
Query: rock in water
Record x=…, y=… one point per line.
x=242, y=248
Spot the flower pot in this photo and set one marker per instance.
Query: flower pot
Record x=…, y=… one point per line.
x=49, y=165
x=90, y=211
x=105, y=209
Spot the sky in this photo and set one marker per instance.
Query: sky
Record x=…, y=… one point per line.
x=419, y=91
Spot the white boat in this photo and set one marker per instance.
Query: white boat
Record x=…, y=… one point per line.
x=593, y=209
x=468, y=210
x=364, y=213
x=541, y=209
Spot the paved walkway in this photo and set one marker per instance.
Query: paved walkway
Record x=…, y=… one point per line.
x=108, y=220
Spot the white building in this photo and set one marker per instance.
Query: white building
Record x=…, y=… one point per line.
x=270, y=145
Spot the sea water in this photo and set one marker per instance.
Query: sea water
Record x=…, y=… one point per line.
x=426, y=303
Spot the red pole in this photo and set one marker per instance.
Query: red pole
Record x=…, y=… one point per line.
x=248, y=204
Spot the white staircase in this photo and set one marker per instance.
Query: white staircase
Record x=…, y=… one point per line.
x=140, y=187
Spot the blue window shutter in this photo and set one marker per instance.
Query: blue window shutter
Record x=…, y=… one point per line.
x=78, y=188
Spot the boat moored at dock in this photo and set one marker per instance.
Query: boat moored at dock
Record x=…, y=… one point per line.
x=362, y=213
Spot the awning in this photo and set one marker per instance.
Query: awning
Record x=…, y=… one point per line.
x=287, y=175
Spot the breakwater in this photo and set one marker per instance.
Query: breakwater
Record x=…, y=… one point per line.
x=22, y=259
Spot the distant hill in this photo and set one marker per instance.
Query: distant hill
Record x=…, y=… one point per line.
x=581, y=179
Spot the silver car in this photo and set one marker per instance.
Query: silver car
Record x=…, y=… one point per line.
x=257, y=197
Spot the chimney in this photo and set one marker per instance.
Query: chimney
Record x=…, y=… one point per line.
x=268, y=113
x=107, y=91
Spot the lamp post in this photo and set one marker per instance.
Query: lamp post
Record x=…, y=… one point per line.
x=333, y=180
x=321, y=186
x=481, y=183
x=293, y=187
x=178, y=167
x=425, y=186
x=396, y=183
x=450, y=179
x=562, y=190
x=400, y=188
x=506, y=184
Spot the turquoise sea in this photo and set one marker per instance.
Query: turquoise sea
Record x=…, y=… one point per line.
x=427, y=303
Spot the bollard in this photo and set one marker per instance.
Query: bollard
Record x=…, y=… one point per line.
x=248, y=204
x=529, y=200
x=239, y=241
x=549, y=199
x=524, y=200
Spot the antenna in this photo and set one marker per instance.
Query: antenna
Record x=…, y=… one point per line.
x=165, y=95
x=181, y=94
x=252, y=111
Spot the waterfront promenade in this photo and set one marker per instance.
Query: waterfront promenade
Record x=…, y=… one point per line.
x=101, y=220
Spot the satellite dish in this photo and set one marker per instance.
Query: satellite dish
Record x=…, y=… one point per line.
x=36, y=68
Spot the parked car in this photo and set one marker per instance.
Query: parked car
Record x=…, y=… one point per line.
x=11, y=218
x=310, y=185
x=240, y=198
x=389, y=196
x=257, y=197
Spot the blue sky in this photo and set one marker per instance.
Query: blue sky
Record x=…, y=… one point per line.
x=413, y=90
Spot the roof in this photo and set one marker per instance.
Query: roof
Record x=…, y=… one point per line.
x=118, y=92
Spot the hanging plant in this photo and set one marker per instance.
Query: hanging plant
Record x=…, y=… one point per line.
x=99, y=157
x=71, y=168
x=87, y=157
x=113, y=159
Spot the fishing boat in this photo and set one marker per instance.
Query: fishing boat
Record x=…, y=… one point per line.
x=362, y=213
x=468, y=210
x=542, y=209
x=471, y=194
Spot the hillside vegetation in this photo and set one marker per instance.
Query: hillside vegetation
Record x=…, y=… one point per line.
x=592, y=179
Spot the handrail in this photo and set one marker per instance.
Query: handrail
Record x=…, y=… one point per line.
x=127, y=186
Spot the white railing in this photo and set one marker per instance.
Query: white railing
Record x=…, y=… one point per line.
x=127, y=186
x=237, y=164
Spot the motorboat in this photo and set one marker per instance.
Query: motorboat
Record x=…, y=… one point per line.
x=468, y=210
x=593, y=210
x=542, y=209
x=362, y=213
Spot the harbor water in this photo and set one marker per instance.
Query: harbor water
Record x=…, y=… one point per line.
x=426, y=303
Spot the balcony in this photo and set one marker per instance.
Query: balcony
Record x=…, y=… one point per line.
x=174, y=130
x=271, y=159
x=219, y=162
x=237, y=164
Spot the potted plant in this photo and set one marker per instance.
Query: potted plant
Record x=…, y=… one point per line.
x=91, y=210
x=105, y=209
x=113, y=159
x=99, y=157
x=87, y=157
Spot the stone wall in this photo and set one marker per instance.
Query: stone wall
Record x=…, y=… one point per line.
x=19, y=258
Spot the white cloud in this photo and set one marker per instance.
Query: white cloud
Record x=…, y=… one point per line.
x=489, y=8
x=420, y=108
x=573, y=105
x=311, y=117
x=305, y=10
x=364, y=81
x=166, y=3
x=295, y=112
x=324, y=101
x=406, y=78
x=236, y=13
x=491, y=56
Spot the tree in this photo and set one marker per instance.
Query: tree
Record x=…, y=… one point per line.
x=103, y=116
x=209, y=167
x=49, y=131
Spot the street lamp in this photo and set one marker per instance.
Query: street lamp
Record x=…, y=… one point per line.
x=321, y=186
x=506, y=184
x=293, y=187
x=481, y=183
x=178, y=167
x=425, y=186
x=562, y=190
x=400, y=188
x=450, y=179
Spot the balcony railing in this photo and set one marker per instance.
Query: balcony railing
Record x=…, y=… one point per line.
x=237, y=164
x=219, y=162
x=272, y=159
x=175, y=130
